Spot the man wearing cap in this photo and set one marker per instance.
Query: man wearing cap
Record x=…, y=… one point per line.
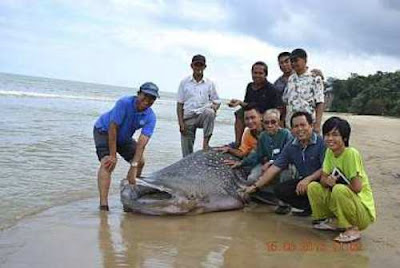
x=113, y=133
x=304, y=91
x=197, y=104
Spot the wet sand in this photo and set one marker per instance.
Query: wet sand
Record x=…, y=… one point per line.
x=77, y=235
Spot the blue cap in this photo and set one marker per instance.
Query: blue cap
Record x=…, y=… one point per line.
x=150, y=88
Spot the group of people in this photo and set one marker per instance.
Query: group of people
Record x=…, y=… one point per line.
x=277, y=138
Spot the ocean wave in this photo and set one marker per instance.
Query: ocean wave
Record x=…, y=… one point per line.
x=29, y=94
x=51, y=96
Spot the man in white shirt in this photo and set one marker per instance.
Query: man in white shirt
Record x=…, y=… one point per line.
x=197, y=104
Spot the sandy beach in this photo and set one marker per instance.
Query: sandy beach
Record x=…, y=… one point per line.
x=77, y=235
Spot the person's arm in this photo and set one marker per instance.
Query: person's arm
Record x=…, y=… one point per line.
x=112, y=145
x=326, y=181
x=179, y=112
x=319, y=100
x=264, y=180
x=301, y=187
x=235, y=102
x=356, y=184
x=140, y=146
x=245, y=147
x=214, y=98
x=318, y=117
x=236, y=152
x=255, y=156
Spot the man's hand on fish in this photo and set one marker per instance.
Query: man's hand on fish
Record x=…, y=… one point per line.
x=132, y=175
x=233, y=163
x=250, y=189
x=222, y=149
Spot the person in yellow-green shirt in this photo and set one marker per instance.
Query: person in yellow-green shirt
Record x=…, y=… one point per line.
x=344, y=193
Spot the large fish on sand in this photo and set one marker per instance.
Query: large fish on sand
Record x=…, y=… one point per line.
x=198, y=183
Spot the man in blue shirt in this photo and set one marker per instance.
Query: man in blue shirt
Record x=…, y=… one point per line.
x=113, y=133
x=306, y=152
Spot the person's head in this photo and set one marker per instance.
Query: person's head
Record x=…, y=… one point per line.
x=147, y=94
x=198, y=64
x=302, y=126
x=259, y=72
x=271, y=121
x=284, y=62
x=252, y=117
x=336, y=132
x=298, y=59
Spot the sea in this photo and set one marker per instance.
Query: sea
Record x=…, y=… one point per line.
x=47, y=153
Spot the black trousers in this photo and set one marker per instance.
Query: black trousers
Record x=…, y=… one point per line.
x=286, y=191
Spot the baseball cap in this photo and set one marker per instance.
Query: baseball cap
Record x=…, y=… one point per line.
x=298, y=53
x=199, y=58
x=150, y=88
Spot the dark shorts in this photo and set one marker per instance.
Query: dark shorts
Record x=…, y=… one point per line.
x=126, y=150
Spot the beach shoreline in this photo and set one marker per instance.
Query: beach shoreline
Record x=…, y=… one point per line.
x=78, y=234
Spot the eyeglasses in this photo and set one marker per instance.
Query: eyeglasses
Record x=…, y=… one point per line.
x=272, y=122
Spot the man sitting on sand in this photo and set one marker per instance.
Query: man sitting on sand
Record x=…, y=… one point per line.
x=348, y=199
x=197, y=104
x=252, y=119
x=306, y=152
x=113, y=133
x=260, y=92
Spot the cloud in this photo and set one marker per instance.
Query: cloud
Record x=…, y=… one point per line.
x=122, y=42
x=369, y=26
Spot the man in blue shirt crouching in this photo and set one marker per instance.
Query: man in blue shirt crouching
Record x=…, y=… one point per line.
x=113, y=133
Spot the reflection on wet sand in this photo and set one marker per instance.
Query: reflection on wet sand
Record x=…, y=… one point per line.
x=225, y=239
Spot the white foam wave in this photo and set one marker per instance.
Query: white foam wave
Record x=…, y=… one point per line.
x=52, y=96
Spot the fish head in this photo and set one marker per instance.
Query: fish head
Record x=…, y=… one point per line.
x=152, y=199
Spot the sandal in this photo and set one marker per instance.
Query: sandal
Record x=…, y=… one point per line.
x=348, y=237
x=325, y=225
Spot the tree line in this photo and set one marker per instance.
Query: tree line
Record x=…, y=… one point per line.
x=377, y=94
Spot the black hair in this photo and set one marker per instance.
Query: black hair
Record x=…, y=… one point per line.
x=251, y=106
x=301, y=113
x=341, y=125
x=262, y=64
x=283, y=54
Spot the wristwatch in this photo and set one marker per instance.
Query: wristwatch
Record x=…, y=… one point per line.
x=134, y=164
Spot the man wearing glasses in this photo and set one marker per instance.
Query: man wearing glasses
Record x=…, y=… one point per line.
x=270, y=144
x=304, y=91
x=306, y=152
x=197, y=104
x=113, y=133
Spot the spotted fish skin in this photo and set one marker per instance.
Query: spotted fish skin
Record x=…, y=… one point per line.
x=198, y=183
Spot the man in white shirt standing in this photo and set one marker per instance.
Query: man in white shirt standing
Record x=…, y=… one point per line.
x=197, y=105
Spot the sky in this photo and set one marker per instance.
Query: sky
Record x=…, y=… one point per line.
x=126, y=43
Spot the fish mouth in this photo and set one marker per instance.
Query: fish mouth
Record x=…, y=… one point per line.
x=153, y=199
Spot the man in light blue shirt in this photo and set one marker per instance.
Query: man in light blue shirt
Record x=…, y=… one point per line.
x=113, y=133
